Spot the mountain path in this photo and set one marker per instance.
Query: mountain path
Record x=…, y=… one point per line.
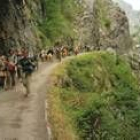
x=24, y=118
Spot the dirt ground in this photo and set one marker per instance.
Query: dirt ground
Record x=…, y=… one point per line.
x=24, y=118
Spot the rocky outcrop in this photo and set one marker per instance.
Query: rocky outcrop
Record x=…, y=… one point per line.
x=17, y=24
x=88, y=28
x=106, y=26
x=133, y=15
x=114, y=27
x=102, y=25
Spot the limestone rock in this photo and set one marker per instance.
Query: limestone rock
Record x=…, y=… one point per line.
x=17, y=26
x=114, y=27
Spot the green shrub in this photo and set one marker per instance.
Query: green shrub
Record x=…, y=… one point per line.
x=102, y=98
x=59, y=19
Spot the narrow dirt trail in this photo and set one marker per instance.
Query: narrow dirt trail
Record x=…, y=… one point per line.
x=24, y=118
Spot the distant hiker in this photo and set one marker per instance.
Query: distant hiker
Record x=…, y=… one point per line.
x=58, y=50
x=64, y=51
x=19, y=56
x=50, y=54
x=50, y=51
x=3, y=72
x=43, y=56
x=76, y=50
x=58, y=53
x=11, y=67
x=70, y=51
x=87, y=48
x=27, y=68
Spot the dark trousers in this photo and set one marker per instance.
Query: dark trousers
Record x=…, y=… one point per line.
x=2, y=82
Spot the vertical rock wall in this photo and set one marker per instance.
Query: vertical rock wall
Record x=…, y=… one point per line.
x=113, y=26
x=17, y=28
x=105, y=25
x=88, y=25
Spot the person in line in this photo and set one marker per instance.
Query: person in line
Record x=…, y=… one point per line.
x=35, y=61
x=19, y=56
x=27, y=69
x=3, y=72
x=76, y=50
x=65, y=51
x=11, y=67
x=50, y=54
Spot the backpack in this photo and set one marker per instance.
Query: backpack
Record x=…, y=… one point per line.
x=27, y=65
x=11, y=67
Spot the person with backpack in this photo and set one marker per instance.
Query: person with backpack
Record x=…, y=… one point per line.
x=3, y=72
x=11, y=67
x=76, y=50
x=65, y=51
x=50, y=54
x=58, y=50
x=35, y=61
x=18, y=54
x=27, y=70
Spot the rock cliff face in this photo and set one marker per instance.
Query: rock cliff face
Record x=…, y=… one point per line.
x=133, y=15
x=17, y=25
x=117, y=33
x=114, y=27
x=89, y=24
x=107, y=26
x=102, y=25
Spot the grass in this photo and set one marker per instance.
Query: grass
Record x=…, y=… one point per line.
x=93, y=98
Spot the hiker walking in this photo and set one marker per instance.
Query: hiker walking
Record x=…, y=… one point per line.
x=58, y=50
x=27, y=69
x=3, y=72
x=50, y=54
x=11, y=67
x=76, y=50
x=64, y=51
x=35, y=61
x=19, y=56
x=58, y=53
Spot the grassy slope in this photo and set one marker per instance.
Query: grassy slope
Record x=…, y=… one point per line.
x=92, y=97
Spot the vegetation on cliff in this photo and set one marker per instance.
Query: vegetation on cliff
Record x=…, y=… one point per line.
x=59, y=20
x=93, y=98
x=36, y=24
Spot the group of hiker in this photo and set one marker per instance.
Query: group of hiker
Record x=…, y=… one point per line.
x=18, y=64
x=58, y=52
x=15, y=66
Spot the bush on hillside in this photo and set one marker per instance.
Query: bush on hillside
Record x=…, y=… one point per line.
x=100, y=97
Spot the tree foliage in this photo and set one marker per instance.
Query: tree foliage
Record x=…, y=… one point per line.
x=59, y=20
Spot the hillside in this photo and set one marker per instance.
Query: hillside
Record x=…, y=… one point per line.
x=93, y=98
x=36, y=24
